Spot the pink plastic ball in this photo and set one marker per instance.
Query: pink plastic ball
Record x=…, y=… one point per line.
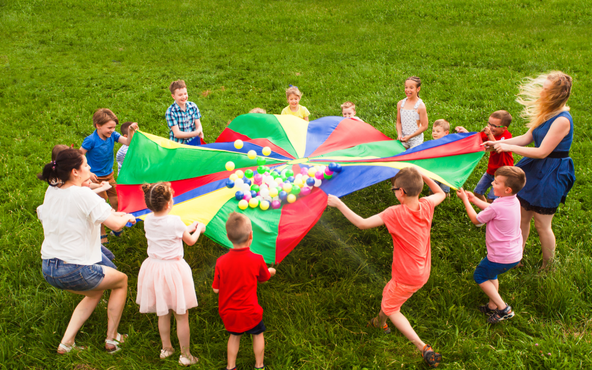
x=276, y=204
x=304, y=171
x=258, y=179
x=328, y=171
x=319, y=175
x=305, y=191
x=247, y=197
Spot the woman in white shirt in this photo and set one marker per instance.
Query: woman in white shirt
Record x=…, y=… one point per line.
x=71, y=251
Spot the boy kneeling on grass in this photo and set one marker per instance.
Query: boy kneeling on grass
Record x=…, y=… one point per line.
x=409, y=224
x=235, y=280
x=502, y=237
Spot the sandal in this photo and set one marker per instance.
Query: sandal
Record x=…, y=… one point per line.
x=104, y=239
x=64, y=348
x=117, y=233
x=430, y=356
x=187, y=360
x=114, y=343
x=486, y=310
x=166, y=352
x=374, y=324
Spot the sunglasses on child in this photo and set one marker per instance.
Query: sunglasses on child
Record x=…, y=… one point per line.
x=393, y=189
x=494, y=126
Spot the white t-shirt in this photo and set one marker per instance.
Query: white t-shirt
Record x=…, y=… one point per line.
x=165, y=236
x=71, y=220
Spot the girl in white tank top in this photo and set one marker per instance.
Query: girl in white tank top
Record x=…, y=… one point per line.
x=411, y=123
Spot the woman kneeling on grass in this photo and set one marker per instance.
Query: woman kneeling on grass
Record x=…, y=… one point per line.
x=72, y=260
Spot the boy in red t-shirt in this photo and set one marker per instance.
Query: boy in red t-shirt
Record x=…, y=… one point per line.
x=497, y=129
x=409, y=224
x=235, y=280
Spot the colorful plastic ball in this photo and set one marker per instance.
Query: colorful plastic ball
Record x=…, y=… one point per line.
x=239, y=195
x=261, y=170
x=287, y=187
x=327, y=177
x=249, y=173
x=310, y=181
x=291, y=198
x=335, y=167
x=304, y=171
x=266, y=150
x=283, y=195
x=273, y=192
x=246, y=188
x=264, y=205
x=253, y=193
x=279, y=181
x=233, y=177
x=258, y=179
x=318, y=183
x=229, y=166
x=230, y=184
x=328, y=171
x=254, y=203
x=311, y=171
x=255, y=188
x=289, y=173
x=295, y=190
x=247, y=196
x=238, y=144
x=261, y=161
x=284, y=178
x=247, y=181
x=299, y=183
x=252, y=154
x=318, y=175
x=290, y=178
x=240, y=174
x=243, y=204
x=305, y=191
x=275, y=204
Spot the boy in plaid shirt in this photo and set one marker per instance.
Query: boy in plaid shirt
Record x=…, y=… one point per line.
x=183, y=117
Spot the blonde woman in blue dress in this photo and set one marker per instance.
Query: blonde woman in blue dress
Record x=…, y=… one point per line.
x=412, y=117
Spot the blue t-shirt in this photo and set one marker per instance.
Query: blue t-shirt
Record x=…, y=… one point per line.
x=99, y=152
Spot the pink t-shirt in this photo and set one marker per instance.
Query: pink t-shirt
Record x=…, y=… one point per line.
x=165, y=236
x=502, y=235
x=412, y=257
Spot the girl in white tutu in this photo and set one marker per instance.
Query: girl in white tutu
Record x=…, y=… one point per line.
x=165, y=282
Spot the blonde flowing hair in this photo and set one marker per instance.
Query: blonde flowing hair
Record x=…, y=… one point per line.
x=539, y=107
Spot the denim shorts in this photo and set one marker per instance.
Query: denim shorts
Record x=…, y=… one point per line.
x=487, y=270
x=484, y=184
x=69, y=276
x=258, y=329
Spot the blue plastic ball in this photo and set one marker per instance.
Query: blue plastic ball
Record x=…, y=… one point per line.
x=239, y=195
x=283, y=195
x=253, y=193
x=310, y=181
x=230, y=184
x=246, y=181
x=291, y=178
x=335, y=167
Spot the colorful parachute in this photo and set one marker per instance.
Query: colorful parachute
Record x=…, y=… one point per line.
x=198, y=174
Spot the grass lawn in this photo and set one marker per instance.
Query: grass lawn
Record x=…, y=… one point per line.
x=60, y=61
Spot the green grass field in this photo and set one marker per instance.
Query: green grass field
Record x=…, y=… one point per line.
x=59, y=61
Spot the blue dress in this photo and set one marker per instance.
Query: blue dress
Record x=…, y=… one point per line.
x=548, y=180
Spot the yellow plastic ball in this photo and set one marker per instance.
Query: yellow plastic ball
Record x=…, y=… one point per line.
x=266, y=150
x=287, y=188
x=240, y=174
x=229, y=166
x=299, y=183
x=252, y=154
x=311, y=172
x=243, y=204
x=291, y=198
x=253, y=202
x=273, y=192
x=233, y=177
x=264, y=205
x=238, y=144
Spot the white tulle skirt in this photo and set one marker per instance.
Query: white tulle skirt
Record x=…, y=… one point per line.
x=165, y=285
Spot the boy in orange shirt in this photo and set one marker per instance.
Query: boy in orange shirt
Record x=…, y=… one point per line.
x=409, y=224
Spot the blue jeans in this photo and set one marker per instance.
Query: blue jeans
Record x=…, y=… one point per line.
x=484, y=184
x=445, y=188
x=70, y=276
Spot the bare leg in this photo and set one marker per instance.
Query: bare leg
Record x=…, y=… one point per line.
x=404, y=327
x=233, y=346
x=81, y=313
x=490, y=287
x=183, y=333
x=259, y=349
x=543, y=225
x=164, y=328
x=382, y=318
x=525, y=218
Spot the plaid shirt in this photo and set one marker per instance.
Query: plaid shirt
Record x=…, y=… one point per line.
x=184, y=119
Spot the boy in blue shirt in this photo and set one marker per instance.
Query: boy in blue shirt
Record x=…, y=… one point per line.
x=183, y=117
x=98, y=148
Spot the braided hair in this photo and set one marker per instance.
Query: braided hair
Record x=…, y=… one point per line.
x=157, y=195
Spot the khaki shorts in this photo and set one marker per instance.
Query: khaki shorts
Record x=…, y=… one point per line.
x=110, y=194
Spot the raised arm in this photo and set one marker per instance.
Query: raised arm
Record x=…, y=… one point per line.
x=359, y=222
x=193, y=232
x=439, y=194
x=131, y=131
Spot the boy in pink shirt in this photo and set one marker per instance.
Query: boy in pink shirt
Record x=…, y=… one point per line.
x=502, y=237
x=409, y=224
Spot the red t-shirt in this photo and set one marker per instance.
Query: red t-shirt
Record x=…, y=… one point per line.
x=236, y=276
x=412, y=256
x=497, y=160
